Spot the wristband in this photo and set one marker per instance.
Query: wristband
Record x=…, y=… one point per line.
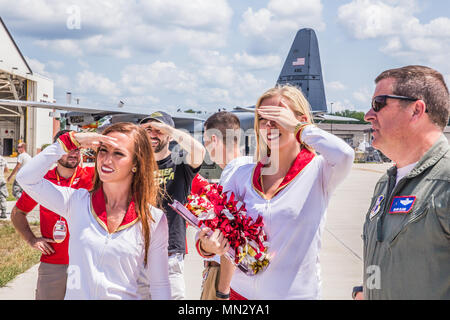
x=222, y=295
x=202, y=253
x=298, y=130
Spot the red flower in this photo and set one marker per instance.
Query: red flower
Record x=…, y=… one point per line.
x=198, y=183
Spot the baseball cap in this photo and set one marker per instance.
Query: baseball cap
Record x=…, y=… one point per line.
x=160, y=116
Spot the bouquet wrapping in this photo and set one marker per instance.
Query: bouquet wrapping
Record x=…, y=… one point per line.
x=208, y=206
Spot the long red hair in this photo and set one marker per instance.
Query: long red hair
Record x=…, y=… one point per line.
x=144, y=188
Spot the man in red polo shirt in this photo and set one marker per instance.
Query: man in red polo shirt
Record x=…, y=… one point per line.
x=54, y=243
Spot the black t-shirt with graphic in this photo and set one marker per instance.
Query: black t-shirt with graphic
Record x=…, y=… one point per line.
x=175, y=177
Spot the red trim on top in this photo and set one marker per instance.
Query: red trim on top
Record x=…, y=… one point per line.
x=99, y=206
x=303, y=158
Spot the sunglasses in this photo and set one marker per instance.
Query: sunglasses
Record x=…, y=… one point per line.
x=379, y=102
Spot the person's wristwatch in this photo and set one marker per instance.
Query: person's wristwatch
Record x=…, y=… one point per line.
x=222, y=295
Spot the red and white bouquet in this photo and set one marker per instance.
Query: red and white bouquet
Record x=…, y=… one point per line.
x=208, y=206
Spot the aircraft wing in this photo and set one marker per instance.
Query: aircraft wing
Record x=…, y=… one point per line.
x=84, y=116
x=67, y=107
x=317, y=115
x=333, y=118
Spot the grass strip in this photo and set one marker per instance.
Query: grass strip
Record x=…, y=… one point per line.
x=16, y=256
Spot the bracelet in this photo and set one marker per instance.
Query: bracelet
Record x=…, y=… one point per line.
x=222, y=295
x=298, y=130
x=201, y=252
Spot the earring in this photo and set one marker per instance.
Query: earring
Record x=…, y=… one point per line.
x=134, y=170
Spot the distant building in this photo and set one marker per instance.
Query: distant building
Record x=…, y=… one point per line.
x=18, y=82
x=353, y=134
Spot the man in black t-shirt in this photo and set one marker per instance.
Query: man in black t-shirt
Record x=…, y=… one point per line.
x=175, y=177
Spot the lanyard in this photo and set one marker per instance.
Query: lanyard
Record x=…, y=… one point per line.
x=70, y=182
x=71, y=179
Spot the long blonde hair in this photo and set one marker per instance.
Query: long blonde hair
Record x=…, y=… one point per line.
x=144, y=187
x=295, y=100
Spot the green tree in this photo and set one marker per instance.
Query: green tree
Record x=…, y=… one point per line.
x=359, y=115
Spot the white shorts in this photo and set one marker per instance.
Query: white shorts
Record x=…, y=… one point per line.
x=176, y=276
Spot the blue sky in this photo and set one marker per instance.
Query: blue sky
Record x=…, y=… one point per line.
x=208, y=54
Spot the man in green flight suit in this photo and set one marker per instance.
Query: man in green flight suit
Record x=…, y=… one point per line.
x=407, y=229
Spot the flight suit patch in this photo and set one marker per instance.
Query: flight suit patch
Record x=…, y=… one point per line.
x=402, y=204
x=376, y=207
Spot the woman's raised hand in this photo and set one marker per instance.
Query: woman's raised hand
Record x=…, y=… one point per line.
x=93, y=140
x=282, y=115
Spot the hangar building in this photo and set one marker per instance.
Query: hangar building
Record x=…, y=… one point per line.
x=18, y=82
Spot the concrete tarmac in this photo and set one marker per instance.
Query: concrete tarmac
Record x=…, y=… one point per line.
x=341, y=254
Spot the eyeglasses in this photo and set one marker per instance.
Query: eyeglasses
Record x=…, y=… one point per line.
x=379, y=102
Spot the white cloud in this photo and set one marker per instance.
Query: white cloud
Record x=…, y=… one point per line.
x=209, y=57
x=83, y=63
x=210, y=84
x=256, y=23
x=64, y=46
x=335, y=85
x=118, y=28
x=257, y=62
x=370, y=19
x=282, y=18
x=363, y=95
x=160, y=75
x=55, y=64
x=197, y=14
x=163, y=83
x=59, y=80
x=90, y=82
x=395, y=22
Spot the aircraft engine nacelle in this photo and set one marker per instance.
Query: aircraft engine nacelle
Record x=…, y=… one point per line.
x=80, y=119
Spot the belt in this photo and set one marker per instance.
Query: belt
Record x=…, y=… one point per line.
x=211, y=264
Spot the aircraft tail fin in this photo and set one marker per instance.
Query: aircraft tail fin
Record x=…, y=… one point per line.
x=302, y=69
